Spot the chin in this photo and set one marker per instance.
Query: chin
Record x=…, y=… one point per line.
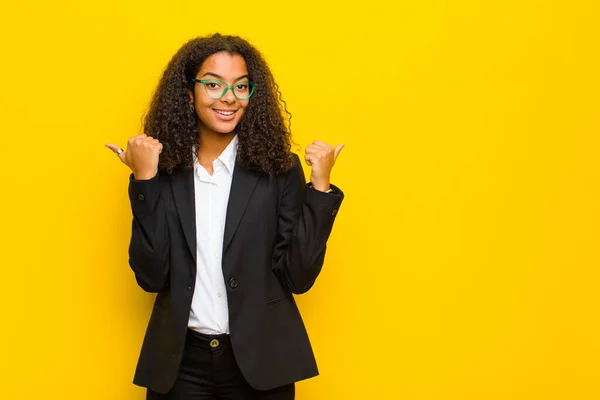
x=225, y=128
x=224, y=131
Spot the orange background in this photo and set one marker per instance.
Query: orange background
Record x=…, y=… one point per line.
x=464, y=261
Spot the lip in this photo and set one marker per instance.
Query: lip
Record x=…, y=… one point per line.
x=225, y=117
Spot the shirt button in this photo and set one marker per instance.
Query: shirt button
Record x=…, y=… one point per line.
x=233, y=283
x=141, y=197
x=218, y=294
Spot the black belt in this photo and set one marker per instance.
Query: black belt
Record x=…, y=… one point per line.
x=198, y=339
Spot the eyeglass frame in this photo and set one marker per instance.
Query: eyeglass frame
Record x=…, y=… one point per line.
x=227, y=87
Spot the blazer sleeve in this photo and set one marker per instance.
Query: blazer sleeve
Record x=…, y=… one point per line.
x=305, y=221
x=150, y=242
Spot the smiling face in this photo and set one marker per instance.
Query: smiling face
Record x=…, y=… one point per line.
x=220, y=116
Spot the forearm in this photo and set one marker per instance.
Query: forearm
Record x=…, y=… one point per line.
x=150, y=242
x=302, y=258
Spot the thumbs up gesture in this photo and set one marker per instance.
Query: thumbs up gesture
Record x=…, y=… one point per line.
x=141, y=156
x=321, y=157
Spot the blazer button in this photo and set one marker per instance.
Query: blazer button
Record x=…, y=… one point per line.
x=141, y=197
x=233, y=283
x=334, y=212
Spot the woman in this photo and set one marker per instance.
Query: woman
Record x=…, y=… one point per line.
x=225, y=229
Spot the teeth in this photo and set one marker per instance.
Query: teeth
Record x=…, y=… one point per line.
x=224, y=112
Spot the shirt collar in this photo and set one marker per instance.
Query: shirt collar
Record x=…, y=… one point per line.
x=228, y=155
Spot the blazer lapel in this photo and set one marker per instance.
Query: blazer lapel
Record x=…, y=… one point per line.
x=182, y=185
x=242, y=186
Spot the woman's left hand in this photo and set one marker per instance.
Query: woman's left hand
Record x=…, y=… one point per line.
x=321, y=157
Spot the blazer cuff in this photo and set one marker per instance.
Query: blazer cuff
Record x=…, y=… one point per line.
x=332, y=200
x=144, y=194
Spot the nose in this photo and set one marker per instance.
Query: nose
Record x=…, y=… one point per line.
x=228, y=97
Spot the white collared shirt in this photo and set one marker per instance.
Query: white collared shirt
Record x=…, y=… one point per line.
x=210, y=314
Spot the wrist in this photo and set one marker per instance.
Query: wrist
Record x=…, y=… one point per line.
x=143, y=176
x=322, y=187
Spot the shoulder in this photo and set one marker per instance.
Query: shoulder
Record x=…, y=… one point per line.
x=294, y=172
x=296, y=165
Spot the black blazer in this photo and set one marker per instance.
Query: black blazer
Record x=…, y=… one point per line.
x=274, y=244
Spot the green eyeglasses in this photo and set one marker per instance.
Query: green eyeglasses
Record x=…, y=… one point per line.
x=216, y=88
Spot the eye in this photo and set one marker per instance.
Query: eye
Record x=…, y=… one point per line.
x=242, y=86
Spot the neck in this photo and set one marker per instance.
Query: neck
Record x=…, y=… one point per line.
x=212, y=145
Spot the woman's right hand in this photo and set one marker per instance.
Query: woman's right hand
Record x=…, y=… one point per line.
x=141, y=156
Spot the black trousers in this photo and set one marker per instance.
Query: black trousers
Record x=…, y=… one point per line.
x=209, y=372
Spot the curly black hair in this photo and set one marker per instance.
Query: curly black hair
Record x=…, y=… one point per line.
x=264, y=135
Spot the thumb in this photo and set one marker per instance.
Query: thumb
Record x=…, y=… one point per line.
x=114, y=149
x=337, y=150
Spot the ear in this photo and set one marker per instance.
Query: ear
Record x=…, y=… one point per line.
x=191, y=94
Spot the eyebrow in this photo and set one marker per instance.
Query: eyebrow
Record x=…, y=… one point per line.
x=220, y=77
